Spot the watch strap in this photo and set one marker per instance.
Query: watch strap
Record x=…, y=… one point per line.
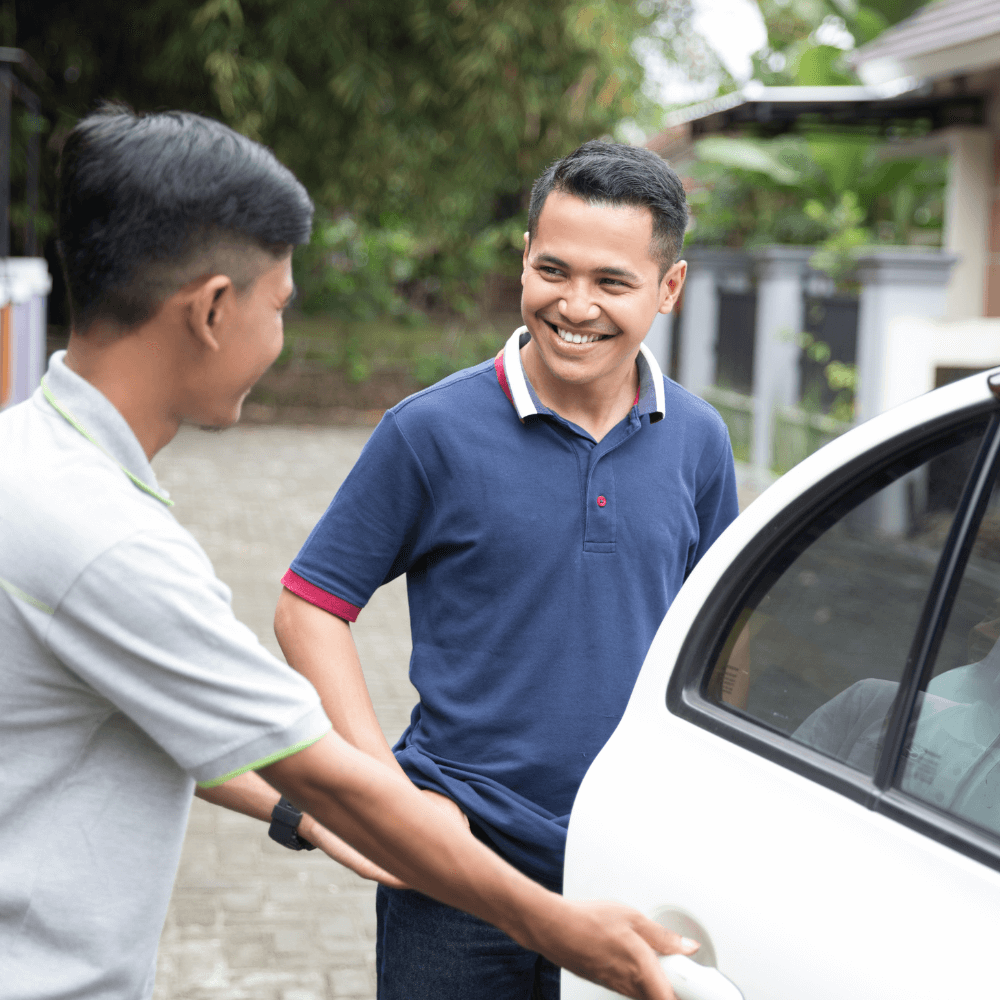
x=285, y=819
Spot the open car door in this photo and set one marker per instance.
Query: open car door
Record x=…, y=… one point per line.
x=807, y=776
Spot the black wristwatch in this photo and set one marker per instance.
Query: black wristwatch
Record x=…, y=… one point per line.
x=285, y=819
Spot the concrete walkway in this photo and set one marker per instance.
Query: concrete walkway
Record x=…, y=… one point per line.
x=249, y=919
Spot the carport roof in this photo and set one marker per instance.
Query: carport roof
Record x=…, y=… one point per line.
x=779, y=108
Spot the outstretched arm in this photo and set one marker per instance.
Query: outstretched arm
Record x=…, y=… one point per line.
x=378, y=811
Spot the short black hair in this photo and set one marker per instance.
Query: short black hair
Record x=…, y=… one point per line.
x=148, y=202
x=612, y=173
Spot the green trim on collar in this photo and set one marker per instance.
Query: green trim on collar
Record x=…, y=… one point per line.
x=264, y=761
x=22, y=596
x=72, y=421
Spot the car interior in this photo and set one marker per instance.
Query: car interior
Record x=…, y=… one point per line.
x=819, y=648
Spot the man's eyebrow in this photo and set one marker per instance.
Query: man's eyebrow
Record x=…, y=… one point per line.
x=552, y=259
x=618, y=272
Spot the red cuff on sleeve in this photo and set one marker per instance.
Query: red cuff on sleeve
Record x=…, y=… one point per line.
x=315, y=595
x=502, y=375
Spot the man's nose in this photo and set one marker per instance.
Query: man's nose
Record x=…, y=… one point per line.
x=578, y=306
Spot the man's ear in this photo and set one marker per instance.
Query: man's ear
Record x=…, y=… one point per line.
x=209, y=308
x=524, y=256
x=671, y=285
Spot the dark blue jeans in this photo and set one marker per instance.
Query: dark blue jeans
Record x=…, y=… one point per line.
x=425, y=950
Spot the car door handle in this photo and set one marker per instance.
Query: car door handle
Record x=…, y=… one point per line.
x=692, y=981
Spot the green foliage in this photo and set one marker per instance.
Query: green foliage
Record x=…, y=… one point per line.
x=771, y=160
x=798, y=51
x=353, y=270
x=426, y=350
x=23, y=124
x=868, y=24
x=845, y=235
x=842, y=378
x=839, y=192
x=822, y=66
x=456, y=350
x=437, y=114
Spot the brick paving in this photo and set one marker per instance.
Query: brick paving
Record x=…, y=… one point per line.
x=250, y=920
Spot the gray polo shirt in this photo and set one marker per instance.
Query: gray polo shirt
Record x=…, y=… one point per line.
x=125, y=679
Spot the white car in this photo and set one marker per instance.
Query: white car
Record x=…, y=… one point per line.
x=807, y=776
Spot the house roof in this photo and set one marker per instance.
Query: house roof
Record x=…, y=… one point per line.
x=946, y=37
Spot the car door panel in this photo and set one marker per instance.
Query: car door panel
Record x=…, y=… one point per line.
x=787, y=876
x=776, y=849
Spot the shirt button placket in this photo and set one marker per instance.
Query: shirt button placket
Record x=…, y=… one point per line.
x=600, y=514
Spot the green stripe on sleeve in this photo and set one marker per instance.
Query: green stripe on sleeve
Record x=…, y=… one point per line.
x=22, y=596
x=264, y=761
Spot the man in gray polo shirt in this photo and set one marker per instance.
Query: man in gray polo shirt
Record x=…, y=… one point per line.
x=126, y=677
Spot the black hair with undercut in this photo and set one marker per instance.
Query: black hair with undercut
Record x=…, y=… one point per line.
x=149, y=202
x=611, y=173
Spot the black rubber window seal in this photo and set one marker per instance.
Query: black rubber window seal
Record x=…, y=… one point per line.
x=940, y=600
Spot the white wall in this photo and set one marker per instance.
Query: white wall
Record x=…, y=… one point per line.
x=915, y=348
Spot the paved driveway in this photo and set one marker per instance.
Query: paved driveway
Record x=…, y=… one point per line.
x=249, y=919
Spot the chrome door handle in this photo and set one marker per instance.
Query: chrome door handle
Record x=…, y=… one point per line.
x=692, y=981
x=694, y=978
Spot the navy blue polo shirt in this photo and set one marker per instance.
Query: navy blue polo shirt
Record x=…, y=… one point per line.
x=539, y=564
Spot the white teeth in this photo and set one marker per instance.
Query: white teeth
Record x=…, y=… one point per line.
x=576, y=338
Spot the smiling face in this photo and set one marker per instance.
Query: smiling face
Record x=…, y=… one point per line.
x=590, y=292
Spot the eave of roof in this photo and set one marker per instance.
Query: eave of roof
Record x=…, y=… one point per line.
x=940, y=25
x=756, y=93
x=781, y=107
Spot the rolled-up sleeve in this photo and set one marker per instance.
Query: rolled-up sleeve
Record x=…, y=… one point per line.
x=373, y=529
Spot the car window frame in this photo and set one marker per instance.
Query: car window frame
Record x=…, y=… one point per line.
x=685, y=695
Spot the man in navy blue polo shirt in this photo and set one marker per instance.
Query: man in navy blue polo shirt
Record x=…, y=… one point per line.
x=546, y=506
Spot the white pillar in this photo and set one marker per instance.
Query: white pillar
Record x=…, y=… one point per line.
x=895, y=282
x=780, y=271
x=699, y=321
x=966, y=219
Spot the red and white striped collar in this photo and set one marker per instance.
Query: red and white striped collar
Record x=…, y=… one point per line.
x=517, y=388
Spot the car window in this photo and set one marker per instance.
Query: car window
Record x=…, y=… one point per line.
x=821, y=642
x=952, y=756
